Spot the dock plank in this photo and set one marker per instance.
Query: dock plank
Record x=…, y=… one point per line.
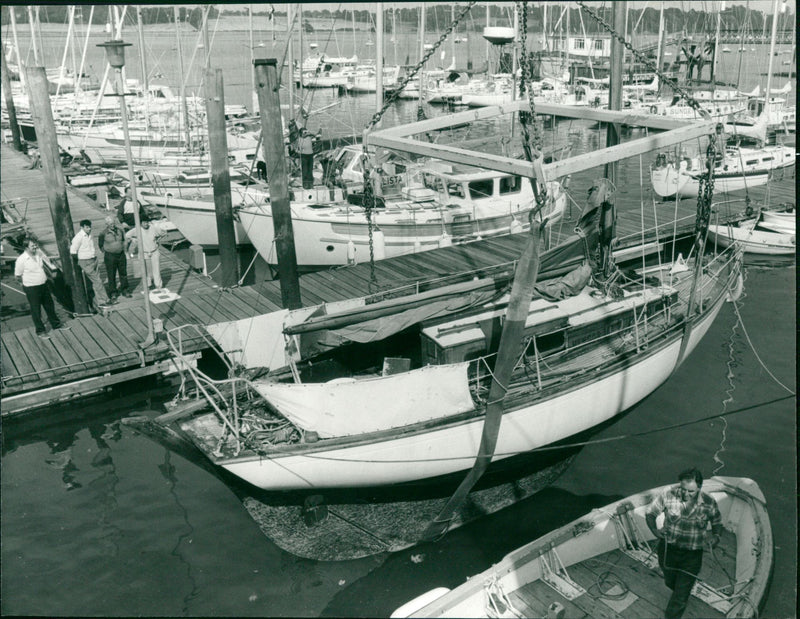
x=30, y=343
x=9, y=368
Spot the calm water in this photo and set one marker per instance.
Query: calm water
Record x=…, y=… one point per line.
x=100, y=521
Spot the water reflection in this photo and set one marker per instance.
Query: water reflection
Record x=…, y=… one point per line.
x=167, y=470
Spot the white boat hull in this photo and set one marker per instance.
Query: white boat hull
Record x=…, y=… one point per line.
x=667, y=182
x=754, y=241
x=388, y=458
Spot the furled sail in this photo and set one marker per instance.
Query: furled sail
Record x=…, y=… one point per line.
x=345, y=407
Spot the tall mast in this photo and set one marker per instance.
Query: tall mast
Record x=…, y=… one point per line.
x=394, y=32
x=184, y=107
x=86, y=44
x=488, y=44
x=290, y=44
x=20, y=63
x=61, y=67
x=773, y=38
x=716, y=43
x=254, y=95
x=566, y=40
x=453, y=35
x=421, y=51
x=300, y=61
x=379, y=58
x=660, y=49
x=142, y=60
x=36, y=54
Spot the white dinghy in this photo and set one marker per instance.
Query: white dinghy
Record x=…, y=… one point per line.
x=567, y=573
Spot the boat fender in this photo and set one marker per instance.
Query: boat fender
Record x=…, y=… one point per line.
x=445, y=240
x=736, y=292
x=653, y=109
x=516, y=226
x=379, y=244
x=351, y=252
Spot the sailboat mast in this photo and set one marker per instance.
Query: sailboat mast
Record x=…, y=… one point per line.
x=660, y=48
x=741, y=42
x=379, y=58
x=36, y=53
x=253, y=95
x=85, y=45
x=716, y=43
x=421, y=51
x=302, y=51
x=20, y=63
x=453, y=35
x=66, y=49
x=773, y=38
x=143, y=61
x=290, y=47
x=184, y=106
x=488, y=44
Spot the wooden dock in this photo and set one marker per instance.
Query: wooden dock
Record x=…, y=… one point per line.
x=101, y=350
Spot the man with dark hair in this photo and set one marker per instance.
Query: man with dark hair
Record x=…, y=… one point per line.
x=29, y=271
x=687, y=514
x=82, y=246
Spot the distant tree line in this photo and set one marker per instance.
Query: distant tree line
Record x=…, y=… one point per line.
x=437, y=17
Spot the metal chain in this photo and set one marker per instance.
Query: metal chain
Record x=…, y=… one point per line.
x=705, y=190
x=368, y=200
x=533, y=149
x=645, y=61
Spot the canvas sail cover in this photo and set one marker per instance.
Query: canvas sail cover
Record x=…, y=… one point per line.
x=344, y=407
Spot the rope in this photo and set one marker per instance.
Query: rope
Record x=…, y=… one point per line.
x=753, y=348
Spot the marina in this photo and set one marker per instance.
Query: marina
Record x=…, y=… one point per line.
x=543, y=280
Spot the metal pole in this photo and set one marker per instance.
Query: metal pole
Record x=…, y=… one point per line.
x=379, y=58
x=290, y=44
x=220, y=175
x=12, y=110
x=773, y=37
x=185, y=125
x=615, y=85
x=275, y=158
x=34, y=41
x=20, y=62
x=42, y=115
x=145, y=80
x=137, y=222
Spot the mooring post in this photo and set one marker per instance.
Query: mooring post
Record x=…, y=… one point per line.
x=615, y=85
x=275, y=157
x=56, y=185
x=12, y=111
x=220, y=176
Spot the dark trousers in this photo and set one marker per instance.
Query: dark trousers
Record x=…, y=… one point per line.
x=680, y=567
x=307, y=166
x=116, y=264
x=38, y=298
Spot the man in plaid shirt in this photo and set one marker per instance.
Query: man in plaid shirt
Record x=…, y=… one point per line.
x=687, y=514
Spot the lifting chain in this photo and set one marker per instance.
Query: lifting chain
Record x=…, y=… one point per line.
x=705, y=190
x=368, y=200
x=532, y=148
x=645, y=61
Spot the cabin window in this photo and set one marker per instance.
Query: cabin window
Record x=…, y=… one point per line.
x=481, y=189
x=510, y=184
x=456, y=190
x=598, y=45
x=767, y=158
x=546, y=343
x=579, y=44
x=751, y=162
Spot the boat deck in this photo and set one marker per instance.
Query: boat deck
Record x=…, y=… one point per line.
x=618, y=585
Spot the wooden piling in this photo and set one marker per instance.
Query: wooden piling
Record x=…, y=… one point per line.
x=615, y=85
x=275, y=158
x=56, y=185
x=220, y=175
x=12, y=110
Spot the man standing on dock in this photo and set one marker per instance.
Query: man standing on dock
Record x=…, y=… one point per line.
x=307, y=158
x=687, y=514
x=151, y=233
x=112, y=243
x=82, y=246
x=29, y=271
